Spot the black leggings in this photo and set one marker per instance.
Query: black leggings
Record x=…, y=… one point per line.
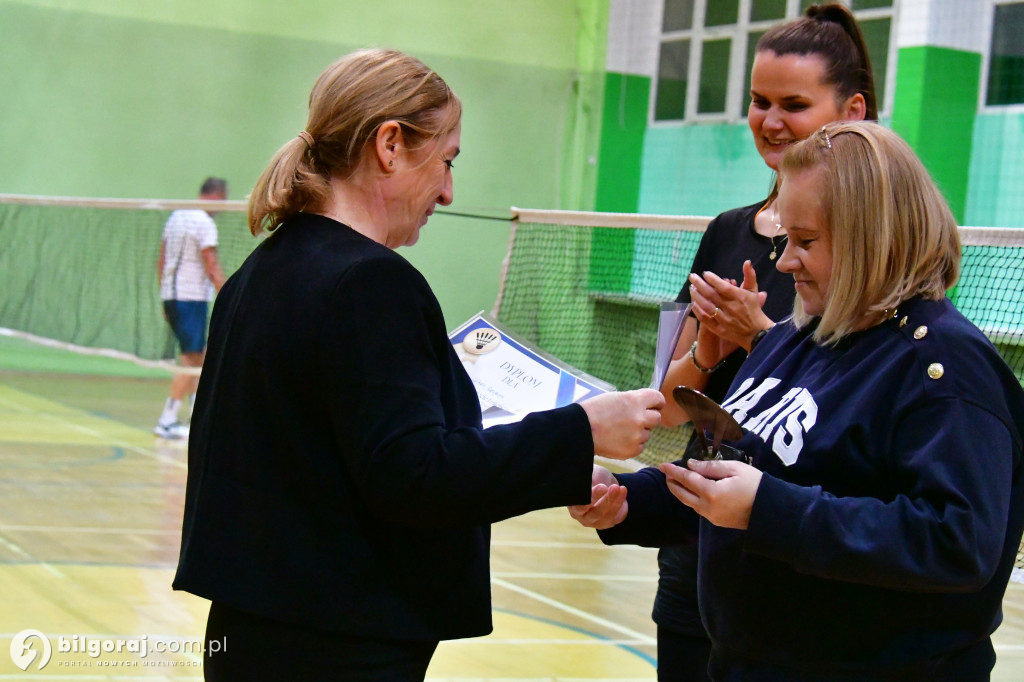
x=247, y=647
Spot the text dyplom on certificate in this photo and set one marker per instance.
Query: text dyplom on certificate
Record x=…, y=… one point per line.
x=513, y=379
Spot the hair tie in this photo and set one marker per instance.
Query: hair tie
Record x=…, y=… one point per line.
x=308, y=138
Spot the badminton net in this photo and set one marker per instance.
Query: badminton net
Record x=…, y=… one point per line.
x=586, y=287
x=80, y=274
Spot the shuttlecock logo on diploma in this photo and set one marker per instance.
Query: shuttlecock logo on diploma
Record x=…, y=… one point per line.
x=480, y=342
x=22, y=652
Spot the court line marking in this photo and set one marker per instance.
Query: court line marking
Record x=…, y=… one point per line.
x=506, y=575
x=575, y=576
x=468, y=640
x=573, y=610
x=161, y=531
x=17, y=549
x=568, y=544
x=134, y=678
x=476, y=640
x=540, y=641
x=108, y=678
x=89, y=529
x=106, y=438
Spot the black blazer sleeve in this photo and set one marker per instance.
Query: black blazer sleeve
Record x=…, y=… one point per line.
x=408, y=421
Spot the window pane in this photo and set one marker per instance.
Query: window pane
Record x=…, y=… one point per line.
x=766, y=10
x=1006, y=56
x=673, y=64
x=677, y=15
x=749, y=64
x=869, y=4
x=714, y=76
x=876, y=37
x=722, y=12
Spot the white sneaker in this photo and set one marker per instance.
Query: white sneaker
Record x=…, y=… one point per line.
x=173, y=431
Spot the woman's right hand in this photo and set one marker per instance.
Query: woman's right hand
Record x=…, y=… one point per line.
x=608, y=506
x=621, y=423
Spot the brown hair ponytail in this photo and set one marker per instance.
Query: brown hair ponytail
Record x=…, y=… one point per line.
x=348, y=104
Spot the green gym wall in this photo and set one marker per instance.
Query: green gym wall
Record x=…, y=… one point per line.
x=118, y=98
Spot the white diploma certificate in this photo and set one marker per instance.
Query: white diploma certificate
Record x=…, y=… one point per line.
x=513, y=379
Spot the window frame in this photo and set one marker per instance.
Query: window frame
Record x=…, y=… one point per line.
x=986, y=60
x=739, y=34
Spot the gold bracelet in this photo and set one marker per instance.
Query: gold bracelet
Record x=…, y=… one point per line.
x=702, y=370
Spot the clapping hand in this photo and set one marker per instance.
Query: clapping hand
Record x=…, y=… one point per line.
x=729, y=311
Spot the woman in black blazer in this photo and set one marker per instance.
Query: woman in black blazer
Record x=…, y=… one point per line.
x=340, y=485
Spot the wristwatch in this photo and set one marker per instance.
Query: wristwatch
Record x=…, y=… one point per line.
x=757, y=339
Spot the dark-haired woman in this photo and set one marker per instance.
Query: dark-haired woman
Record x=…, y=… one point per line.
x=806, y=73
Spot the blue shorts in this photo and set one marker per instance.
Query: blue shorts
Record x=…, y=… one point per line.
x=188, y=322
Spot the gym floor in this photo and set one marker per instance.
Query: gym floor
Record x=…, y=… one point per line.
x=90, y=514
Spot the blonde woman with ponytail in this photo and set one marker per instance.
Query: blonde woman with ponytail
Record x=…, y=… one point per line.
x=340, y=485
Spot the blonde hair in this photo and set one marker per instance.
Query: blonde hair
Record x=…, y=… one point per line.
x=893, y=235
x=348, y=104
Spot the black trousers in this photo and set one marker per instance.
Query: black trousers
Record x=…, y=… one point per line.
x=252, y=648
x=682, y=658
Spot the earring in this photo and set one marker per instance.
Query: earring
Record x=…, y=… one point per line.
x=390, y=164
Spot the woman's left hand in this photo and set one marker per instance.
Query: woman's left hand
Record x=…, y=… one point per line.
x=721, y=491
x=730, y=311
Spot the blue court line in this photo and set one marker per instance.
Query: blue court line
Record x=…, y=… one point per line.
x=116, y=454
x=636, y=652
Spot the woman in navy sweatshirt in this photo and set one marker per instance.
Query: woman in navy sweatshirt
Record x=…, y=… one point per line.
x=875, y=532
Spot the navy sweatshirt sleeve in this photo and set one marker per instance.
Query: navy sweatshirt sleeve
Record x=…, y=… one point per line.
x=421, y=452
x=655, y=517
x=945, y=533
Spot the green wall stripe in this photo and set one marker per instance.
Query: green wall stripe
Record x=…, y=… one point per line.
x=623, y=123
x=934, y=109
